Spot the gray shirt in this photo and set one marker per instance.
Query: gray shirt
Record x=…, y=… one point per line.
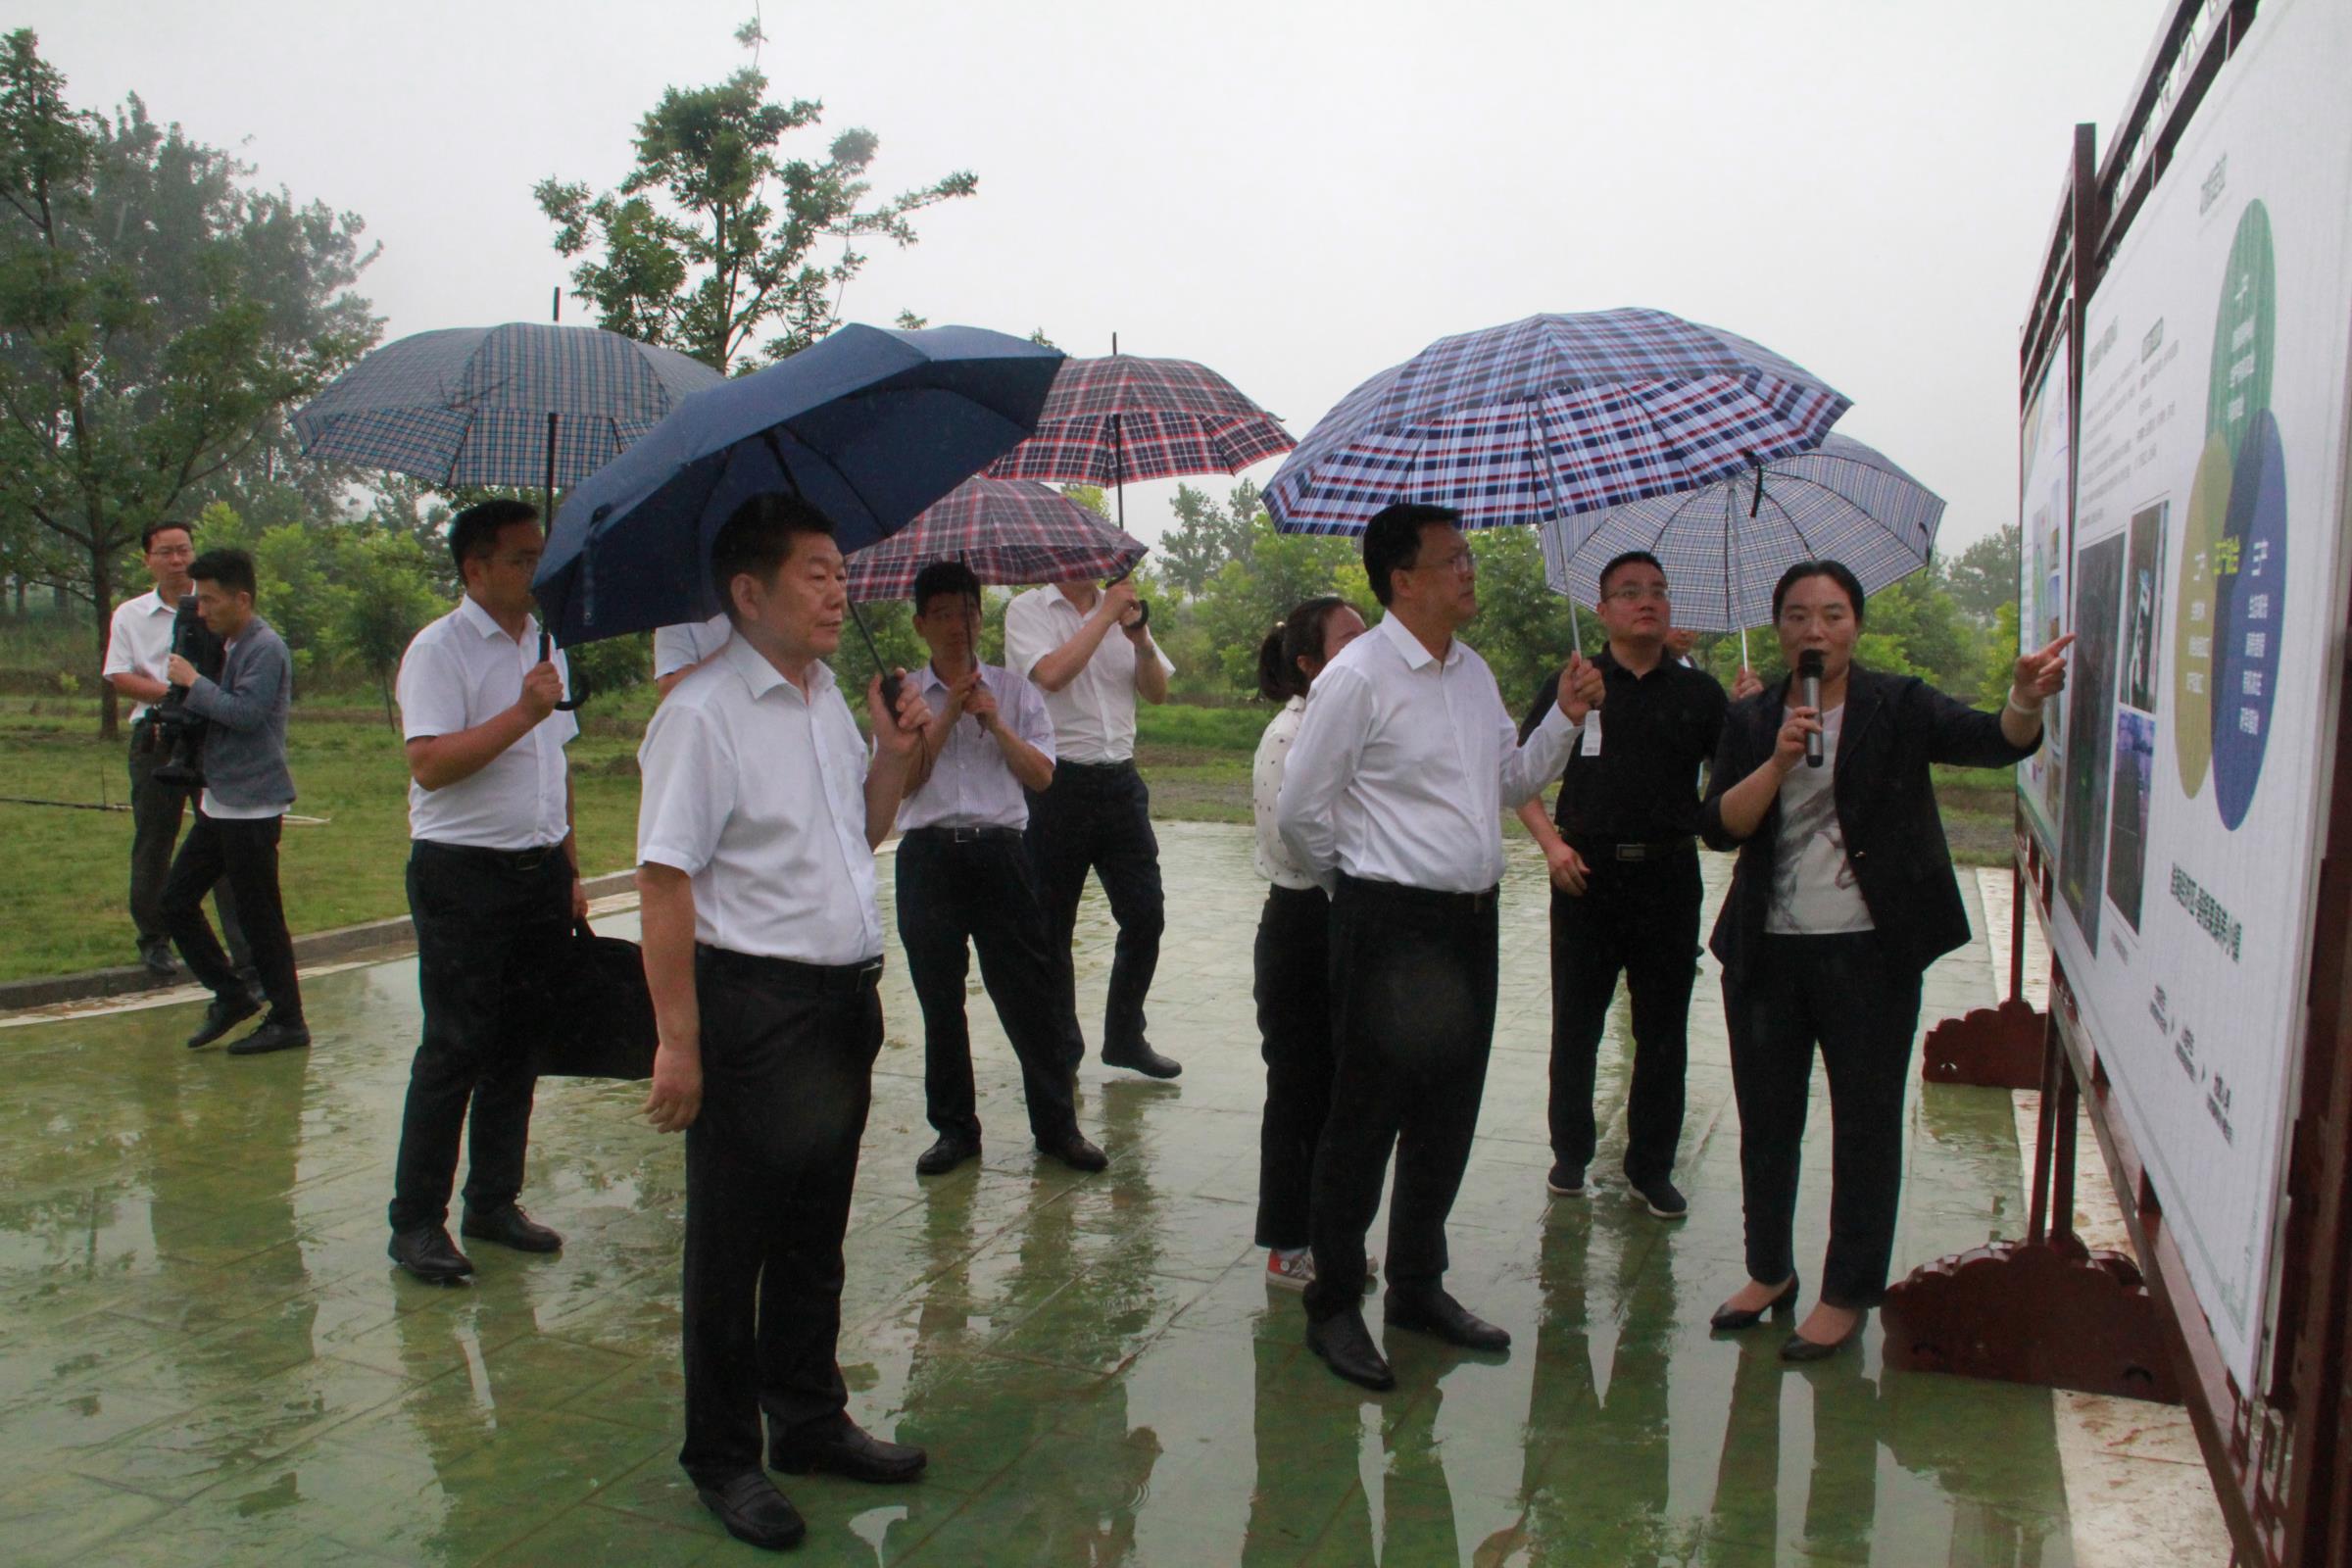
x=245, y=749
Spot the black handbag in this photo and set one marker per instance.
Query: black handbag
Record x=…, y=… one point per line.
x=599, y=1022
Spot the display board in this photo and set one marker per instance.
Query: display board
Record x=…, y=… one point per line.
x=2205, y=587
x=2044, y=510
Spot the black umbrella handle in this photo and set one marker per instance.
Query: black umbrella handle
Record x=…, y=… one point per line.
x=579, y=687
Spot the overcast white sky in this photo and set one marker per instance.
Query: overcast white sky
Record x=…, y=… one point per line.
x=1296, y=194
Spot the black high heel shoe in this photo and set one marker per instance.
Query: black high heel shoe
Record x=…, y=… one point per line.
x=1800, y=1350
x=1732, y=1319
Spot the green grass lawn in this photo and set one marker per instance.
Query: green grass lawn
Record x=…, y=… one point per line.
x=68, y=911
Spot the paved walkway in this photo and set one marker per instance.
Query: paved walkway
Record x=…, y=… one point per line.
x=205, y=1358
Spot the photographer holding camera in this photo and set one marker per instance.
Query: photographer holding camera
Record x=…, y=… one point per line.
x=247, y=791
x=137, y=644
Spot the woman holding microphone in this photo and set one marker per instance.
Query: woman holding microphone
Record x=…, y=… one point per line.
x=1293, y=952
x=1843, y=895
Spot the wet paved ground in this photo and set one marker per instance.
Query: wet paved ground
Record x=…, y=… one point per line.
x=205, y=1356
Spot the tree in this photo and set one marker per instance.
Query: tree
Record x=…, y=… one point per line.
x=157, y=316
x=1984, y=577
x=1523, y=628
x=390, y=595
x=1265, y=578
x=1206, y=535
x=689, y=252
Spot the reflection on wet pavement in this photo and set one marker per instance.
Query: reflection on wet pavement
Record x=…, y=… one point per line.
x=205, y=1358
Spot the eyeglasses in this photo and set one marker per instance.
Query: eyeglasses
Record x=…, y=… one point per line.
x=1461, y=563
x=1634, y=593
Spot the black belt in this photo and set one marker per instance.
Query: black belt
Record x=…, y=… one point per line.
x=530, y=860
x=1421, y=897
x=1127, y=767
x=792, y=975
x=965, y=835
x=1630, y=848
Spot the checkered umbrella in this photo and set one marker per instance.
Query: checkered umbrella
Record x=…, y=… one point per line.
x=1551, y=416
x=1122, y=417
x=526, y=404
x=1725, y=545
x=1007, y=530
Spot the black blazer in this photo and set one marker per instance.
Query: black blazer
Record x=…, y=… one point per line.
x=1895, y=726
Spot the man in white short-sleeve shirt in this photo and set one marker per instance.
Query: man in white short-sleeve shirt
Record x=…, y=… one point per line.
x=493, y=890
x=137, y=643
x=1097, y=814
x=755, y=830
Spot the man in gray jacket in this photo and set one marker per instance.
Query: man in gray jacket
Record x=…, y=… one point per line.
x=247, y=790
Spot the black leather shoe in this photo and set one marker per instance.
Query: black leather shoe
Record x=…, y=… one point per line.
x=509, y=1227
x=754, y=1510
x=273, y=1036
x=1076, y=1153
x=847, y=1450
x=1346, y=1346
x=1141, y=1057
x=157, y=956
x=1434, y=1312
x=945, y=1155
x=1662, y=1197
x=1732, y=1319
x=224, y=1014
x=428, y=1254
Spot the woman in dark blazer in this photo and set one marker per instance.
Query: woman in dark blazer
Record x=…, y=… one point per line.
x=1843, y=895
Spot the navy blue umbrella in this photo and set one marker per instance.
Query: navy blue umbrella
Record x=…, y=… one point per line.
x=871, y=425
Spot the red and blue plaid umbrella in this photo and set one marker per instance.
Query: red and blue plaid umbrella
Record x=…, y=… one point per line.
x=1551, y=416
x=1007, y=530
x=1122, y=417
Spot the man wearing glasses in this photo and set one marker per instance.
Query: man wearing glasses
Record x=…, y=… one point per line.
x=1393, y=801
x=494, y=886
x=1625, y=885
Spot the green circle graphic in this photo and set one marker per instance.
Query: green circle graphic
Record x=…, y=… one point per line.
x=2244, y=333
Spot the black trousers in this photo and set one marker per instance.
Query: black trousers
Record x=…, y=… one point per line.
x=787, y=1055
x=1640, y=919
x=959, y=889
x=1843, y=993
x=1098, y=819
x=1412, y=987
x=1294, y=1028
x=244, y=855
x=489, y=922
x=155, y=813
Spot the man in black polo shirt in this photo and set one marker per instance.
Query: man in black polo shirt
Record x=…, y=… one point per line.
x=1625, y=888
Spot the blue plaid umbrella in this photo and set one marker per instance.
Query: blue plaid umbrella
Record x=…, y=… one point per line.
x=526, y=404
x=1725, y=544
x=871, y=425
x=1551, y=416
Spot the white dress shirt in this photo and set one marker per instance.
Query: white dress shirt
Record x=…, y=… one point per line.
x=971, y=785
x=1274, y=859
x=758, y=794
x=138, y=641
x=1404, y=763
x=463, y=670
x=677, y=648
x=1093, y=715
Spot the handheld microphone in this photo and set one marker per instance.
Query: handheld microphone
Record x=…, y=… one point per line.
x=1808, y=680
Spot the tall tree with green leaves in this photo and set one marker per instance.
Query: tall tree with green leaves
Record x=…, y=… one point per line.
x=1208, y=535
x=717, y=236
x=157, y=317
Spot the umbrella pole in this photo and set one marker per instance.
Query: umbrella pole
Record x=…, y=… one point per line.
x=890, y=682
x=1119, y=452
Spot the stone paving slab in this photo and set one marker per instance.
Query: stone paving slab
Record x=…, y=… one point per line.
x=205, y=1356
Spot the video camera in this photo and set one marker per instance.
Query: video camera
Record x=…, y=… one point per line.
x=170, y=728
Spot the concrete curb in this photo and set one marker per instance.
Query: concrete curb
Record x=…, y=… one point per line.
x=319, y=947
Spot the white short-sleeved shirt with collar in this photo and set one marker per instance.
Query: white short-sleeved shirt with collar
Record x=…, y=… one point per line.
x=758, y=794
x=463, y=670
x=684, y=646
x=971, y=785
x=138, y=641
x=1093, y=715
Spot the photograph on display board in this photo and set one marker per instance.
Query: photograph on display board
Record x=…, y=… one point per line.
x=2083, y=821
x=2143, y=590
x=2127, y=840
